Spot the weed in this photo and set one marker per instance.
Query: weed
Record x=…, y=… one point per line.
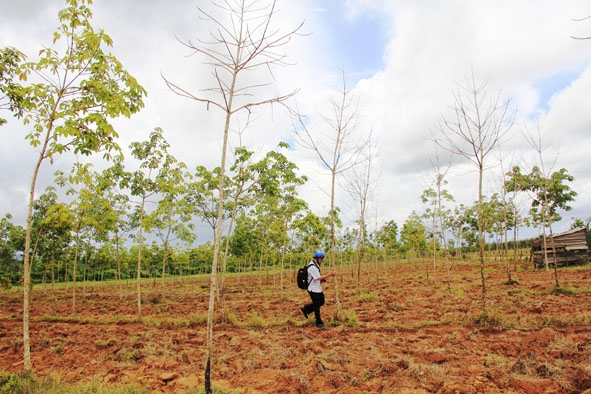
x=255, y=320
x=416, y=372
x=526, y=365
x=564, y=291
x=491, y=320
x=104, y=343
x=127, y=355
x=155, y=299
x=57, y=349
x=349, y=319
x=303, y=381
x=395, y=306
x=459, y=293
x=369, y=297
x=495, y=361
x=197, y=319
x=232, y=318
x=13, y=383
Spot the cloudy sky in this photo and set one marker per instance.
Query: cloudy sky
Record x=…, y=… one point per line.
x=403, y=59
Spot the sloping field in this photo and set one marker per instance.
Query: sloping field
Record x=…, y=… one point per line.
x=403, y=332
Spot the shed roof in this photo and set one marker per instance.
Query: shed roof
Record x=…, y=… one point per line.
x=571, y=240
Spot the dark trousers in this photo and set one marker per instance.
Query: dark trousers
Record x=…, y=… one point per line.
x=317, y=302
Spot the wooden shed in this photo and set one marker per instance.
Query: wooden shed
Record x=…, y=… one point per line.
x=571, y=246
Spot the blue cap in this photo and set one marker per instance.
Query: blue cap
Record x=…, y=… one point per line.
x=318, y=254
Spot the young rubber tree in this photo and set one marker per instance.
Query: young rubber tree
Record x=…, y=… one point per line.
x=118, y=221
x=412, y=237
x=52, y=221
x=276, y=195
x=173, y=213
x=88, y=208
x=242, y=43
x=360, y=184
x=549, y=194
x=477, y=125
x=436, y=196
x=339, y=149
x=151, y=178
x=67, y=98
x=547, y=191
x=386, y=239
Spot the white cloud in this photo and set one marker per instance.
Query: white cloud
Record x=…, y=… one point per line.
x=431, y=45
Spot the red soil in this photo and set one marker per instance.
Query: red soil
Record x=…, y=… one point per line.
x=405, y=333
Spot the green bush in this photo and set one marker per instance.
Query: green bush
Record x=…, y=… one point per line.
x=5, y=283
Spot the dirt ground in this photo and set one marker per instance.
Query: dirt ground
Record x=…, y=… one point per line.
x=401, y=331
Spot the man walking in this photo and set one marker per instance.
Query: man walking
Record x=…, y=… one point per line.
x=315, y=280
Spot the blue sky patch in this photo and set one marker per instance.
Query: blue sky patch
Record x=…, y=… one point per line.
x=551, y=85
x=358, y=43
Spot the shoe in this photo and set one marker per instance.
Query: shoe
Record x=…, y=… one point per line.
x=304, y=312
x=320, y=325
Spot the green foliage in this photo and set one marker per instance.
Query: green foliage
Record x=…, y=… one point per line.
x=413, y=237
x=368, y=297
x=5, y=283
x=551, y=193
x=387, y=236
x=72, y=112
x=11, y=98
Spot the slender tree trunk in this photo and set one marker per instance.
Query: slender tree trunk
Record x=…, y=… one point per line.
x=481, y=241
x=218, y=238
x=74, y=273
x=164, y=257
x=28, y=366
x=139, y=262
x=118, y=263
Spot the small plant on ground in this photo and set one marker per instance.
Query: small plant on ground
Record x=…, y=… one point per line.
x=495, y=361
x=347, y=318
x=565, y=291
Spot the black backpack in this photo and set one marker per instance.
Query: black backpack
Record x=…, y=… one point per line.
x=302, y=277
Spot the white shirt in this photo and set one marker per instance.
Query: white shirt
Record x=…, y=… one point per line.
x=315, y=285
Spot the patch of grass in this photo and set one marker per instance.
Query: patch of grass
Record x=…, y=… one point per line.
x=496, y=361
x=564, y=320
x=128, y=355
x=492, y=320
x=180, y=322
x=368, y=297
x=57, y=349
x=349, y=319
x=214, y=390
x=255, y=320
x=232, y=318
x=569, y=291
x=104, y=343
x=564, y=344
x=155, y=299
x=395, y=306
x=198, y=319
x=459, y=293
x=28, y=383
